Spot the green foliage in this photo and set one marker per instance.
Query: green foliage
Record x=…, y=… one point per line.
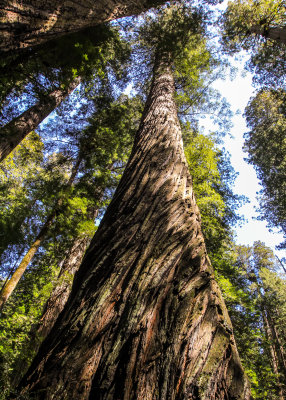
x=178, y=33
x=266, y=147
x=18, y=318
x=253, y=25
x=213, y=177
x=246, y=289
x=203, y=158
x=18, y=177
x=98, y=55
x=247, y=21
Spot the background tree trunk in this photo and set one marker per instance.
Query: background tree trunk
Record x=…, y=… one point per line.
x=278, y=34
x=273, y=355
x=11, y=284
x=31, y=22
x=55, y=303
x=15, y=131
x=145, y=319
x=62, y=289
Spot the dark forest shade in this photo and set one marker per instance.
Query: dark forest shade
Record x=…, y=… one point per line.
x=145, y=319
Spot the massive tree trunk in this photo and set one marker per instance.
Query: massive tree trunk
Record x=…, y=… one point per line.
x=145, y=318
x=31, y=22
x=11, y=284
x=15, y=131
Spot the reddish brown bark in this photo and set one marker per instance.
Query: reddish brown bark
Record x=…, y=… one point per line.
x=31, y=22
x=15, y=131
x=145, y=319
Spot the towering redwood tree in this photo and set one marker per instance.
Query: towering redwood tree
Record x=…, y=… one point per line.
x=15, y=131
x=145, y=318
x=25, y=23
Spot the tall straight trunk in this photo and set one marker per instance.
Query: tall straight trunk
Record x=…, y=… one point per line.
x=281, y=263
x=145, y=318
x=272, y=351
x=61, y=292
x=279, y=346
x=26, y=23
x=278, y=33
x=278, y=349
x=15, y=131
x=18, y=273
x=11, y=284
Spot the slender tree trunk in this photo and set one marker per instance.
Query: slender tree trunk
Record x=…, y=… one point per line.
x=15, y=131
x=281, y=263
x=56, y=301
x=277, y=34
x=278, y=349
x=62, y=290
x=273, y=355
x=145, y=319
x=31, y=22
x=18, y=273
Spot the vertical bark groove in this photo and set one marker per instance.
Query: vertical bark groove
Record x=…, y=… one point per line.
x=145, y=319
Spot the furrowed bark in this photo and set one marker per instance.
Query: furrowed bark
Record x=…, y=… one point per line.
x=28, y=23
x=145, y=319
x=11, y=284
x=15, y=131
